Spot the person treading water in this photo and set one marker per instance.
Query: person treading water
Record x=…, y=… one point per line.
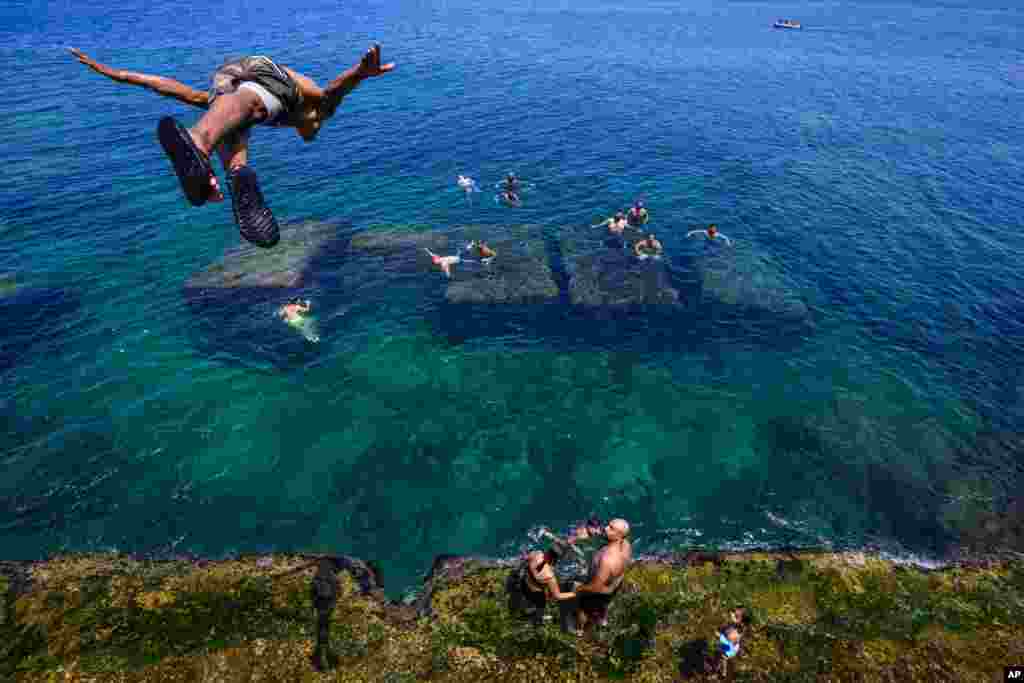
x=511, y=190
x=296, y=313
x=247, y=91
x=711, y=233
x=649, y=247
x=638, y=215
x=467, y=185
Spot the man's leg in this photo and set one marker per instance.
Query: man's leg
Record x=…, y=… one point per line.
x=229, y=113
x=256, y=223
x=234, y=151
x=189, y=149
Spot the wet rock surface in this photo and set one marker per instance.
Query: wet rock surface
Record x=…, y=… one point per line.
x=614, y=277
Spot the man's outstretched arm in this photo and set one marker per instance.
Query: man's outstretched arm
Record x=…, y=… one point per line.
x=167, y=87
x=368, y=67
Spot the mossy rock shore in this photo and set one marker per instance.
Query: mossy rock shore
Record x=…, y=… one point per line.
x=816, y=617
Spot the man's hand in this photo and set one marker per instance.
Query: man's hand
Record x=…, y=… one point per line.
x=370, y=64
x=89, y=61
x=336, y=90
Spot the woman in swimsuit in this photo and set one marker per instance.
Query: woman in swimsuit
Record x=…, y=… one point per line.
x=539, y=583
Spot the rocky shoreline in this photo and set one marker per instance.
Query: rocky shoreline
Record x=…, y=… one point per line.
x=816, y=616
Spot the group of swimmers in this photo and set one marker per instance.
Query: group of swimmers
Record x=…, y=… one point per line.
x=509, y=190
x=478, y=248
x=649, y=246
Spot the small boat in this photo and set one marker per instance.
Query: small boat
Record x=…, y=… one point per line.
x=786, y=23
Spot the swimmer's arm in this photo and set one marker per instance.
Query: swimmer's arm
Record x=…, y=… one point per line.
x=727, y=240
x=168, y=87
x=693, y=232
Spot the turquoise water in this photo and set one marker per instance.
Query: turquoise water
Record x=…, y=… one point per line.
x=875, y=158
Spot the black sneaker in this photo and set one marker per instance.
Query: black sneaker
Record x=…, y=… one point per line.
x=256, y=223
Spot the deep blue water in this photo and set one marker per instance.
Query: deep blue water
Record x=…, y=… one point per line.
x=874, y=158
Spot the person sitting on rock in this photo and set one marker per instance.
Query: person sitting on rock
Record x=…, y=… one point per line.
x=445, y=263
x=711, y=233
x=728, y=647
x=648, y=247
x=606, y=572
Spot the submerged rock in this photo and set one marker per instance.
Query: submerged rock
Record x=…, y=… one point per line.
x=603, y=276
x=398, y=240
x=237, y=298
x=742, y=278
x=519, y=274
x=290, y=265
x=32, y=314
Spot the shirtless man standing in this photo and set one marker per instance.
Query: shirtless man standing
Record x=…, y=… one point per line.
x=606, y=571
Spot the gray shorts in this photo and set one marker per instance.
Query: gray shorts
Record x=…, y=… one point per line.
x=278, y=91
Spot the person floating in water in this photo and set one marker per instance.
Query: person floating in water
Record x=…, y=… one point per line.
x=511, y=190
x=445, y=263
x=296, y=313
x=648, y=247
x=638, y=215
x=616, y=224
x=247, y=91
x=616, y=227
x=512, y=184
x=711, y=233
x=467, y=185
x=481, y=251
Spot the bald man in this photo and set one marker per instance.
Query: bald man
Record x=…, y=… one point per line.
x=606, y=571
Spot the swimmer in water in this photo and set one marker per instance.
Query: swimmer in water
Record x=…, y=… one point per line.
x=711, y=233
x=512, y=184
x=648, y=247
x=511, y=190
x=467, y=185
x=445, y=263
x=481, y=251
x=295, y=314
x=638, y=215
x=616, y=224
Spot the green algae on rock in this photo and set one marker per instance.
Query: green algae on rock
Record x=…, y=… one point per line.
x=815, y=616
